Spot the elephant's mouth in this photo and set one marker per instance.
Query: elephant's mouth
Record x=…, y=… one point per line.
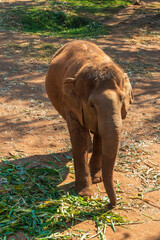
x=94, y=131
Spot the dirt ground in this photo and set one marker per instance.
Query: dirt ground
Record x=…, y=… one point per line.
x=31, y=129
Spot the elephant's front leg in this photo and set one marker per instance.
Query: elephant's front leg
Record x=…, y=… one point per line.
x=79, y=139
x=96, y=160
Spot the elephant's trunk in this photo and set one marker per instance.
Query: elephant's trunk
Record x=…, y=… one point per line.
x=109, y=127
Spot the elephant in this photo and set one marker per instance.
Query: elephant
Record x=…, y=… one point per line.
x=93, y=95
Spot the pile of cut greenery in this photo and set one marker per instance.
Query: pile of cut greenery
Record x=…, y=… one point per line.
x=70, y=19
x=31, y=202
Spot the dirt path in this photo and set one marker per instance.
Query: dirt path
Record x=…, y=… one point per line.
x=32, y=129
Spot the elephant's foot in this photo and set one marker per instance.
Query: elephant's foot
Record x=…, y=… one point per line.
x=84, y=192
x=110, y=206
x=96, y=176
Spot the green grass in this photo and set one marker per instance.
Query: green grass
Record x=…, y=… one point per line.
x=32, y=203
x=49, y=22
x=57, y=23
x=69, y=19
x=93, y=6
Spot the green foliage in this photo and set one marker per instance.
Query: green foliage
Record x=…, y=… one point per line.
x=31, y=202
x=74, y=19
x=55, y=23
x=93, y=6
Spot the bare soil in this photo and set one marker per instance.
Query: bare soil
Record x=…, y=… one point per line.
x=31, y=129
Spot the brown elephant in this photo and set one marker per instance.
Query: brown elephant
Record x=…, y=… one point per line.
x=93, y=94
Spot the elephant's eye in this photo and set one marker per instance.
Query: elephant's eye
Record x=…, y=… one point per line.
x=91, y=105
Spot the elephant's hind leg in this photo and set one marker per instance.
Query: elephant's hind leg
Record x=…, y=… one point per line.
x=96, y=160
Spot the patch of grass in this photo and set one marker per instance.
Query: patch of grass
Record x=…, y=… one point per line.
x=67, y=19
x=97, y=6
x=31, y=202
x=56, y=23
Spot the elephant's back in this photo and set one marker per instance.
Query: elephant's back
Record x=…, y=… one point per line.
x=67, y=62
x=69, y=59
x=80, y=52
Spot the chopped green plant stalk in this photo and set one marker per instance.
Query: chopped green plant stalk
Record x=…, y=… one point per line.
x=30, y=202
x=56, y=158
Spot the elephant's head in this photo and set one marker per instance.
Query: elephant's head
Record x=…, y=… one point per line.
x=100, y=96
x=98, y=86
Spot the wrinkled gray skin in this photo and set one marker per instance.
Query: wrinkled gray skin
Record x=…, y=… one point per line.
x=92, y=94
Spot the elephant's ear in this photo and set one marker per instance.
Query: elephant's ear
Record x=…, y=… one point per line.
x=128, y=96
x=72, y=99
